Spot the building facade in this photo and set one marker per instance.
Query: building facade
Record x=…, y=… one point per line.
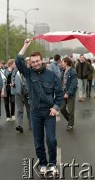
x=40, y=29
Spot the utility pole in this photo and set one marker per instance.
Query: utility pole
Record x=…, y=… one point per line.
x=7, y=32
x=25, y=14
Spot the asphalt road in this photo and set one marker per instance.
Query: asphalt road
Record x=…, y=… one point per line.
x=76, y=149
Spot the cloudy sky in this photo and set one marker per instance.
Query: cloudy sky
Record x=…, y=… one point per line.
x=60, y=15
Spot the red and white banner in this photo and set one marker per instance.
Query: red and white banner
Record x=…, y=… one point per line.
x=86, y=38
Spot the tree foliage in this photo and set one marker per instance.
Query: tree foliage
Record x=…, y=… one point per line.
x=16, y=39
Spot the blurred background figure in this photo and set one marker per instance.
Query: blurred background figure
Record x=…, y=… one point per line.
x=89, y=79
x=8, y=90
x=27, y=62
x=69, y=86
x=82, y=69
x=55, y=65
x=1, y=85
x=21, y=90
x=2, y=68
x=93, y=82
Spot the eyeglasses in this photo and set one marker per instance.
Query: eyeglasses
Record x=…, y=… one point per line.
x=37, y=61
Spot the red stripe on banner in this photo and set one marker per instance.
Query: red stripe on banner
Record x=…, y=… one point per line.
x=88, y=40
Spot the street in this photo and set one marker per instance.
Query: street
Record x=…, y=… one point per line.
x=75, y=148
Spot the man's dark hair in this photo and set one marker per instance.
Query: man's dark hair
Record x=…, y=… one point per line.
x=57, y=57
x=81, y=55
x=36, y=54
x=68, y=61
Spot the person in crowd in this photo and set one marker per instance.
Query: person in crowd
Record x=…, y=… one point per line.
x=27, y=62
x=2, y=69
x=72, y=59
x=51, y=59
x=69, y=86
x=45, y=98
x=82, y=69
x=1, y=85
x=93, y=82
x=21, y=94
x=55, y=65
x=8, y=90
x=89, y=79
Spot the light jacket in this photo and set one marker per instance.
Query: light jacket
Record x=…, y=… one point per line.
x=54, y=68
x=20, y=84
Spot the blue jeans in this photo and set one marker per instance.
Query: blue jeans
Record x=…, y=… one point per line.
x=42, y=121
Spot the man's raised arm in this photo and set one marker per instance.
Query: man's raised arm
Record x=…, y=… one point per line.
x=27, y=43
x=20, y=63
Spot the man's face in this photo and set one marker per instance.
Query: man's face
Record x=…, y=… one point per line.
x=82, y=58
x=36, y=62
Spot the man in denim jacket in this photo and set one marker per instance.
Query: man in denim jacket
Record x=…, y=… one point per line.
x=45, y=98
x=69, y=86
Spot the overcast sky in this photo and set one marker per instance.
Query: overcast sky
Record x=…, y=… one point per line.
x=60, y=15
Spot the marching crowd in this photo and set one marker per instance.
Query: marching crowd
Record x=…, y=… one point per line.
x=44, y=90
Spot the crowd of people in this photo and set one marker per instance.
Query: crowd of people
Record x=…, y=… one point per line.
x=44, y=89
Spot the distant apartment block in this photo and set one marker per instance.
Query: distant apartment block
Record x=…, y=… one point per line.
x=40, y=29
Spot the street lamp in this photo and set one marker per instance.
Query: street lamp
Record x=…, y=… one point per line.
x=25, y=13
x=7, y=32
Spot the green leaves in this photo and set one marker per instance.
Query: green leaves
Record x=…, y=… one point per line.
x=16, y=40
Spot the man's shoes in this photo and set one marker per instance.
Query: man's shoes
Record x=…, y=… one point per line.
x=20, y=129
x=52, y=171
x=13, y=118
x=43, y=170
x=8, y=119
x=69, y=128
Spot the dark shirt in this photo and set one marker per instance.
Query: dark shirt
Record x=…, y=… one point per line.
x=82, y=64
x=9, y=81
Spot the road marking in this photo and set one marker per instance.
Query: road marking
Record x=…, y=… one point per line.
x=58, y=117
x=58, y=156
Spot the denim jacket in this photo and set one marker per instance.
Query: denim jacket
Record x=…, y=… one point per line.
x=71, y=83
x=44, y=88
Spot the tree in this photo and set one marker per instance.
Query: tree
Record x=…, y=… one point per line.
x=2, y=41
x=16, y=39
x=80, y=50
